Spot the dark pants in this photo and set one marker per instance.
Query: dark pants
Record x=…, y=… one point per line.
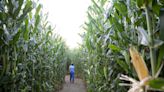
x=72, y=77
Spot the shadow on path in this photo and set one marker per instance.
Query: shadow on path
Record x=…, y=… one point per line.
x=77, y=86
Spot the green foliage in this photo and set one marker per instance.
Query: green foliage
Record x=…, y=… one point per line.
x=112, y=27
x=76, y=57
x=153, y=83
x=32, y=59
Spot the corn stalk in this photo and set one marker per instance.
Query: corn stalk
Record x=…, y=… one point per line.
x=31, y=56
x=112, y=27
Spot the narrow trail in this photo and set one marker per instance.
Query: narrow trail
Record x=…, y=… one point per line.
x=77, y=86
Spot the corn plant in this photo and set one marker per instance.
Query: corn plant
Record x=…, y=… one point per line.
x=112, y=28
x=31, y=57
x=75, y=56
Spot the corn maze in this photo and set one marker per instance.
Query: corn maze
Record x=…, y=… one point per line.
x=122, y=48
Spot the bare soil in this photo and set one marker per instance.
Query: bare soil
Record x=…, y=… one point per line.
x=77, y=86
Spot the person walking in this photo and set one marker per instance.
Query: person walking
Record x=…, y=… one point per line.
x=72, y=72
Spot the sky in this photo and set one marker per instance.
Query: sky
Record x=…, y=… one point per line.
x=67, y=16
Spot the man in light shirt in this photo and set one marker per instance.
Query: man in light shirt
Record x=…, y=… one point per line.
x=72, y=72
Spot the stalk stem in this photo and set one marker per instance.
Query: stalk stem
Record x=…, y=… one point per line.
x=151, y=41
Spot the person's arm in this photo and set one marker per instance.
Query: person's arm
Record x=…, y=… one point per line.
x=74, y=68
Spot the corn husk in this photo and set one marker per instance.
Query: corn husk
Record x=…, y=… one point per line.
x=139, y=64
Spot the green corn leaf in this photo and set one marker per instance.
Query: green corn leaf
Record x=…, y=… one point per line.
x=48, y=34
x=103, y=2
x=10, y=7
x=156, y=9
x=97, y=7
x=121, y=7
x=26, y=32
x=160, y=56
x=37, y=21
x=123, y=65
x=140, y=3
x=28, y=7
x=38, y=10
x=117, y=25
x=114, y=47
x=157, y=43
x=16, y=37
x=105, y=72
x=161, y=24
x=3, y=16
x=126, y=56
x=157, y=84
x=161, y=36
x=17, y=11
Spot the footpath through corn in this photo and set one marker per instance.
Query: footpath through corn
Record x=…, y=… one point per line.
x=77, y=86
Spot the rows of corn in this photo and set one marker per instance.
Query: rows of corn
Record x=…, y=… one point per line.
x=76, y=57
x=32, y=58
x=123, y=46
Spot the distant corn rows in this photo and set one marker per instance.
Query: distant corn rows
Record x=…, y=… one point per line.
x=32, y=58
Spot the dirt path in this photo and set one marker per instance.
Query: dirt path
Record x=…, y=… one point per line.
x=77, y=86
